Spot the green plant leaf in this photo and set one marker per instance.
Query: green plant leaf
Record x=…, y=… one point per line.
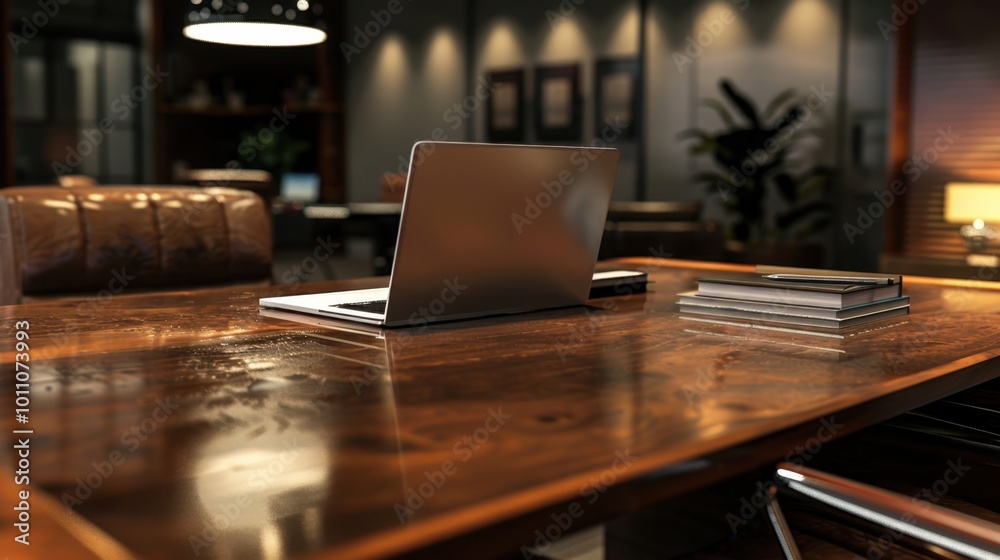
x=793, y=216
x=791, y=116
x=777, y=102
x=818, y=225
x=721, y=110
x=787, y=187
x=819, y=170
x=740, y=101
x=706, y=145
x=815, y=185
x=741, y=231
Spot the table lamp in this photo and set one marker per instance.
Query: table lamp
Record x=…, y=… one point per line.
x=977, y=207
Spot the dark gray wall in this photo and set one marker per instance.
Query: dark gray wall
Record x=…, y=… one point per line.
x=400, y=88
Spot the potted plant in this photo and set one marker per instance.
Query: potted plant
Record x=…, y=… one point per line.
x=270, y=150
x=757, y=155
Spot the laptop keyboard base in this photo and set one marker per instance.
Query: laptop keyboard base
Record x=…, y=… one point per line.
x=376, y=306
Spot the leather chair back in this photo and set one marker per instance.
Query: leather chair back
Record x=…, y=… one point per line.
x=55, y=240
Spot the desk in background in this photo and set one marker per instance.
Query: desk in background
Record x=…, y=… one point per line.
x=633, y=229
x=242, y=436
x=299, y=225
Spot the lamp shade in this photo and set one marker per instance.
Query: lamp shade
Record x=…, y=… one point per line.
x=967, y=202
x=255, y=23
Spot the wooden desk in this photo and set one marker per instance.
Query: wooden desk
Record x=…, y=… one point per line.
x=187, y=421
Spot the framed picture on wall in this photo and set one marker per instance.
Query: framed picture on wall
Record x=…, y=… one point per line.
x=505, y=112
x=617, y=95
x=558, y=113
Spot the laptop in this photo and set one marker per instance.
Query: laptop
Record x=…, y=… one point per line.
x=300, y=187
x=486, y=229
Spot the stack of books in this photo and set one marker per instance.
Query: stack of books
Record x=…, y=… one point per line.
x=813, y=300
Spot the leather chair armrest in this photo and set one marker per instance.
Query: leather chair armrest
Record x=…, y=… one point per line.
x=951, y=530
x=10, y=278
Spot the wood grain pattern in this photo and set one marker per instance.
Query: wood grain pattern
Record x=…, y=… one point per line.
x=205, y=427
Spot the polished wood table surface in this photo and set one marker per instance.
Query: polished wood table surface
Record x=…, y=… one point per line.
x=188, y=425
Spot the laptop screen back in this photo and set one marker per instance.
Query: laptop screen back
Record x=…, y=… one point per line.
x=492, y=228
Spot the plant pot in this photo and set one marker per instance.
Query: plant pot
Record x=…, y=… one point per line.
x=805, y=256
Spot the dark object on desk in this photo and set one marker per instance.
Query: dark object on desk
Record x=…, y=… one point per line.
x=55, y=240
x=611, y=283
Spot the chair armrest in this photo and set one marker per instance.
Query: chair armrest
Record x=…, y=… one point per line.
x=10, y=275
x=948, y=529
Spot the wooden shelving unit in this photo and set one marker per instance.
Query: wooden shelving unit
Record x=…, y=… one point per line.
x=210, y=137
x=248, y=110
x=6, y=125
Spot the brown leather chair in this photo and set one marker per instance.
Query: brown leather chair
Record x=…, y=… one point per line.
x=74, y=181
x=255, y=180
x=58, y=241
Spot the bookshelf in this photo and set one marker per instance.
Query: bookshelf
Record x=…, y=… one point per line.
x=303, y=84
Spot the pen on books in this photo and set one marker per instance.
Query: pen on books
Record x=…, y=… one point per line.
x=881, y=281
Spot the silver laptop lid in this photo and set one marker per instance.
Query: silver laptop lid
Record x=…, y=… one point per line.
x=489, y=229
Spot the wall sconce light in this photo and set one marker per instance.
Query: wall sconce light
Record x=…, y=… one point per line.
x=977, y=207
x=255, y=23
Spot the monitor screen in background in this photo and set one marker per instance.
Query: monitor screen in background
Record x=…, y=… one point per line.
x=300, y=187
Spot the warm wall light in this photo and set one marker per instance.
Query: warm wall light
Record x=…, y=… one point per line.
x=255, y=23
x=977, y=206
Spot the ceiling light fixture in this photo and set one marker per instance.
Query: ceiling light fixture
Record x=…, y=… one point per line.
x=249, y=23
